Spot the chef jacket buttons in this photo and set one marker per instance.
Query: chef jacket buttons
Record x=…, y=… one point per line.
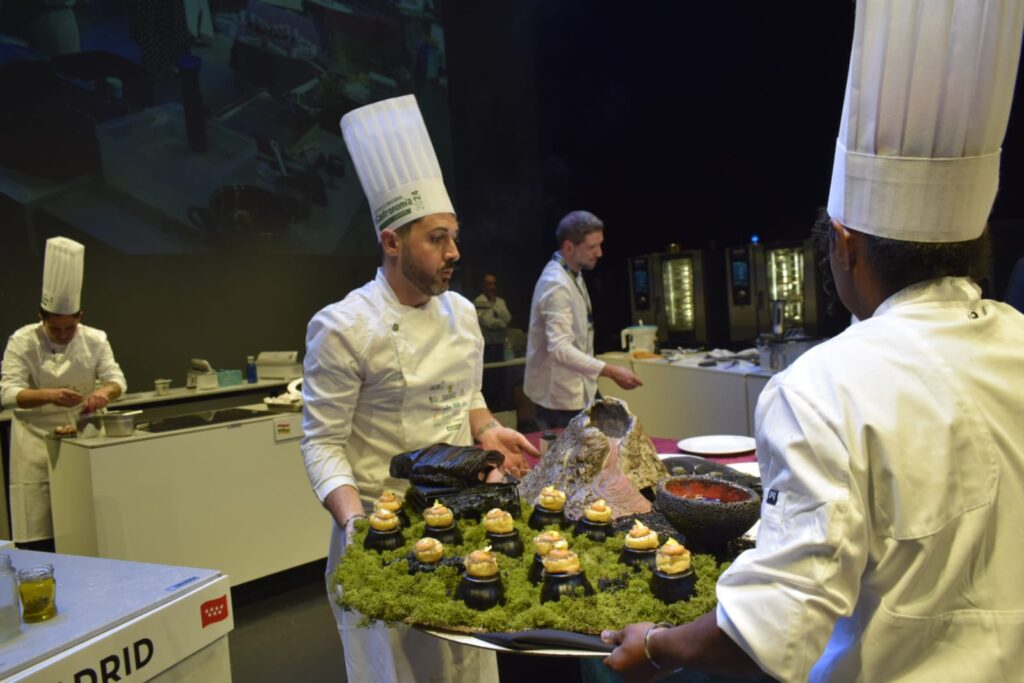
x=394, y=327
x=974, y=315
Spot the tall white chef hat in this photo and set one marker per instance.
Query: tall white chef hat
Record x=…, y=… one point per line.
x=927, y=102
x=63, y=268
x=391, y=150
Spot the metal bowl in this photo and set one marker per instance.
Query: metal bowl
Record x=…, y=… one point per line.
x=119, y=424
x=708, y=510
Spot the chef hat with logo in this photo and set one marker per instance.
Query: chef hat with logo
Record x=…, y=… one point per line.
x=927, y=102
x=63, y=268
x=391, y=150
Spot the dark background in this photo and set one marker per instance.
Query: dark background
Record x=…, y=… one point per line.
x=692, y=123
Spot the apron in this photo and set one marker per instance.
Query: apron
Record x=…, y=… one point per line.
x=32, y=451
x=435, y=358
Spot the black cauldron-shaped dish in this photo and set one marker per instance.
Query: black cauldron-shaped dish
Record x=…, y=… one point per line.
x=671, y=588
x=707, y=510
x=383, y=540
x=449, y=535
x=507, y=544
x=555, y=586
x=598, y=532
x=536, y=573
x=480, y=593
x=541, y=518
x=639, y=558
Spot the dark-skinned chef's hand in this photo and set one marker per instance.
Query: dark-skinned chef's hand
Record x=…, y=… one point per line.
x=628, y=658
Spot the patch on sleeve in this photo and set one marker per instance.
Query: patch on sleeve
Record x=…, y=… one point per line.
x=773, y=496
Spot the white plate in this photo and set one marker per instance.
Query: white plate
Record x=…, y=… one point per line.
x=718, y=444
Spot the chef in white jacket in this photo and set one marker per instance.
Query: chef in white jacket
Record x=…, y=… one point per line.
x=49, y=376
x=395, y=366
x=561, y=371
x=892, y=456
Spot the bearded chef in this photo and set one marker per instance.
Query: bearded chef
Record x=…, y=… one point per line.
x=395, y=366
x=892, y=456
x=49, y=376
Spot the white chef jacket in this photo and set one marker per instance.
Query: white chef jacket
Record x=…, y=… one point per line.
x=494, y=318
x=561, y=371
x=381, y=378
x=892, y=461
x=32, y=361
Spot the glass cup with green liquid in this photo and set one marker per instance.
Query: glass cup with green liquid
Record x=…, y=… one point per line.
x=38, y=591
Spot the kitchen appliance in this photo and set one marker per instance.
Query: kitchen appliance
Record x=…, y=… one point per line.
x=278, y=365
x=639, y=338
x=679, y=293
x=201, y=375
x=772, y=288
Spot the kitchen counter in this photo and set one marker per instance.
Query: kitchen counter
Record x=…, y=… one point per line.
x=124, y=621
x=681, y=399
x=231, y=495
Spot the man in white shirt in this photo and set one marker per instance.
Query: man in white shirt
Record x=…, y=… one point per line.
x=892, y=456
x=396, y=366
x=494, y=319
x=561, y=371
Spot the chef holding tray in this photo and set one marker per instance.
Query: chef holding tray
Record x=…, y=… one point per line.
x=395, y=366
x=892, y=456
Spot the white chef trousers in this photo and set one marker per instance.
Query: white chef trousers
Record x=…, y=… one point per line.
x=400, y=654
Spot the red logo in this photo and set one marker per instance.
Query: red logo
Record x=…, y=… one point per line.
x=214, y=610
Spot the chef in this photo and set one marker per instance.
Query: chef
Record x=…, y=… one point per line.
x=49, y=376
x=892, y=456
x=395, y=366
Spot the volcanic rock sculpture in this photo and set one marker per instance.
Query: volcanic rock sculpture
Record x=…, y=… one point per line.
x=604, y=453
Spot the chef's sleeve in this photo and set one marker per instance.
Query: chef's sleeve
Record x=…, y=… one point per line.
x=107, y=369
x=780, y=601
x=477, y=401
x=501, y=312
x=15, y=374
x=555, y=308
x=331, y=383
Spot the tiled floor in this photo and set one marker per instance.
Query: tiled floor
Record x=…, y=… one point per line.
x=284, y=630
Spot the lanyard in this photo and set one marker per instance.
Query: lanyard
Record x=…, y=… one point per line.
x=576, y=277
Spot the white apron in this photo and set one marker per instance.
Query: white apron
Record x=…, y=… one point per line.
x=31, y=450
x=435, y=361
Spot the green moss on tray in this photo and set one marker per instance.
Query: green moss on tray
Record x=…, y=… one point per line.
x=379, y=586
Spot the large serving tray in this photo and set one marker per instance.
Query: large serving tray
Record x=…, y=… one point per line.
x=379, y=586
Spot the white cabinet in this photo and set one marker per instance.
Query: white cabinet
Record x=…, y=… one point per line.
x=233, y=496
x=679, y=400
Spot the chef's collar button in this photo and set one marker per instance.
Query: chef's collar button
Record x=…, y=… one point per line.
x=974, y=315
x=394, y=327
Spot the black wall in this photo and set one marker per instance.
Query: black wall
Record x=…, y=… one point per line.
x=694, y=123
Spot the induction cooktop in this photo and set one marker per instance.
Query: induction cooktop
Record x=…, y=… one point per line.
x=210, y=417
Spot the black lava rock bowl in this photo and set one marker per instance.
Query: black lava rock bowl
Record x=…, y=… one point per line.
x=707, y=510
x=555, y=586
x=541, y=518
x=507, y=544
x=449, y=535
x=671, y=588
x=598, y=532
x=480, y=594
x=383, y=540
x=639, y=558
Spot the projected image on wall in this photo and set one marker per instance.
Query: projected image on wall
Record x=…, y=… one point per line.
x=196, y=126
